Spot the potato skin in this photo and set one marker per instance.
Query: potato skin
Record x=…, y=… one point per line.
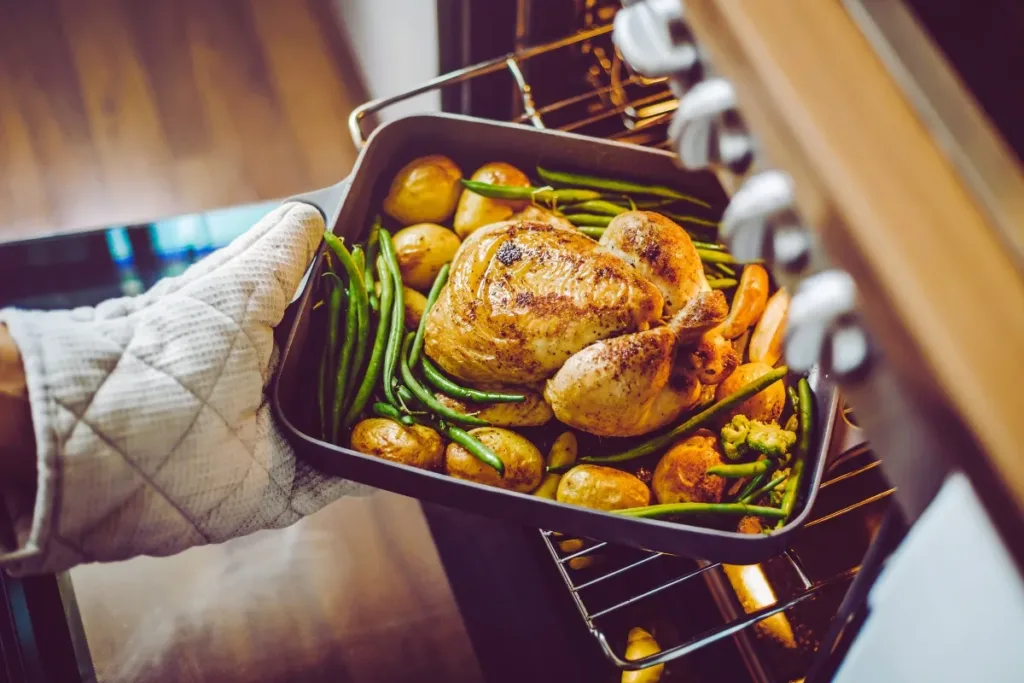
x=417, y=446
x=765, y=406
x=425, y=190
x=524, y=463
x=681, y=477
x=415, y=305
x=422, y=251
x=533, y=412
x=475, y=211
x=602, y=488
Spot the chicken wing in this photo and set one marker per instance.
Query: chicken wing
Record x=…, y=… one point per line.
x=522, y=297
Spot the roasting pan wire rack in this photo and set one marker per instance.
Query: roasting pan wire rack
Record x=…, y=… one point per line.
x=621, y=105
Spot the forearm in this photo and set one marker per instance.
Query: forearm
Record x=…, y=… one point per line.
x=17, y=442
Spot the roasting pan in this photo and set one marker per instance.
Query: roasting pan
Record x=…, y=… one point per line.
x=348, y=208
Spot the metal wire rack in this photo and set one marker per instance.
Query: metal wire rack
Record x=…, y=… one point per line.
x=608, y=582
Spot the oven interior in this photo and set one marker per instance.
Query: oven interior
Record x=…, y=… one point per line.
x=713, y=622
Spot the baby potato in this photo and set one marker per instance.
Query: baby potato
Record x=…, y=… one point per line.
x=533, y=412
x=524, y=464
x=765, y=406
x=537, y=214
x=475, y=211
x=641, y=644
x=766, y=342
x=602, y=488
x=417, y=445
x=425, y=190
x=415, y=304
x=422, y=251
x=681, y=476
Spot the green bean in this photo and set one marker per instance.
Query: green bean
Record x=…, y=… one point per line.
x=537, y=194
x=750, y=487
x=369, y=381
x=387, y=250
x=682, y=218
x=713, y=246
x=358, y=295
x=613, y=185
x=372, y=247
x=424, y=396
x=596, y=206
x=421, y=329
x=475, y=447
x=589, y=220
x=745, y=469
x=344, y=368
x=326, y=362
x=381, y=409
x=722, y=282
x=726, y=270
x=754, y=495
x=447, y=386
x=794, y=399
x=803, y=447
x=692, y=424
x=591, y=231
x=670, y=509
x=709, y=256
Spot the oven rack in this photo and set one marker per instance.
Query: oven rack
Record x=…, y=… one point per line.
x=641, y=109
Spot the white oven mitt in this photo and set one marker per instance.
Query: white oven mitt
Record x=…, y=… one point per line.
x=153, y=428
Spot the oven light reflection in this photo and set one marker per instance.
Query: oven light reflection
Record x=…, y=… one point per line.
x=754, y=592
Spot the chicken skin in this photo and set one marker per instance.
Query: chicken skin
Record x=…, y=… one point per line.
x=522, y=297
x=632, y=384
x=661, y=251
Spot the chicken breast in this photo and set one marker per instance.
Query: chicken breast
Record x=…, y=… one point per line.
x=661, y=251
x=522, y=297
x=632, y=385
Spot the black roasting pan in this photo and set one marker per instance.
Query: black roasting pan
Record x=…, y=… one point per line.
x=349, y=207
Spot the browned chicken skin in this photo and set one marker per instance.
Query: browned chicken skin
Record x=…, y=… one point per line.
x=631, y=385
x=661, y=251
x=522, y=297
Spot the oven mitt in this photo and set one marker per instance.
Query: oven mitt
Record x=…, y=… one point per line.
x=152, y=422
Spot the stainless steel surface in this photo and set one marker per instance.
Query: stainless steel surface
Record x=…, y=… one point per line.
x=950, y=112
x=707, y=131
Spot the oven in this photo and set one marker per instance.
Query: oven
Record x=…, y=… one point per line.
x=847, y=600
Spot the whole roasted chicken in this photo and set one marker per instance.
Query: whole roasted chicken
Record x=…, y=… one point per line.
x=529, y=301
x=522, y=297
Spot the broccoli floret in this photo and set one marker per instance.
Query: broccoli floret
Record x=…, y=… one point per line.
x=770, y=439
x=734, y=437
x=776, y=494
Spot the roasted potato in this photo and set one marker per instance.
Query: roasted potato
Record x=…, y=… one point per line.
x=748, y=302
x=417, y=445
x=425, y=190
x=532, y=412
x=602, y=488
x=415, y=304
x=524, y=464
x=681, y=476
x=766, y=341
x=765, y=406
x=422, y=251
x=563, y=452
x=641, y=644
x=475, y=211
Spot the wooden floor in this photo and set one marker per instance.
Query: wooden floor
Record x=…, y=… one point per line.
x=119, y=111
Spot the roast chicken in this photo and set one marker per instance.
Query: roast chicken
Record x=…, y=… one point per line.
x=632, y=384
x=522, y=297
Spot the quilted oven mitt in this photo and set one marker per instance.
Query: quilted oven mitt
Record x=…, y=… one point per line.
x=152, y=424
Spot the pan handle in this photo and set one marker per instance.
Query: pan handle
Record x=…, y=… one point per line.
x=327, y=200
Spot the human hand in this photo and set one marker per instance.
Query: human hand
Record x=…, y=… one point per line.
x=152, y=425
